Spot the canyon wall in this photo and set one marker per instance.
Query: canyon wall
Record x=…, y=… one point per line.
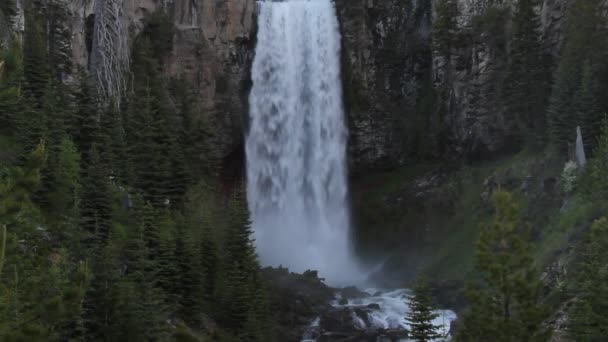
x=405, y=99
x=213, y=48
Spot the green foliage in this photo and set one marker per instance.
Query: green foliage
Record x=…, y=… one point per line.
x=582, y=54
x=96, y=201
x=491, y=27
x=506, y=307
x=528, y=77
x=36, y=69
x=11, y=70
x=8, y=7
x=18, y=184
x=588, y=112
x=445, y=26
x=587, y=317
x=421, y=315
x=242, y=297
x=594, y=182
x=159, y=30
x=569, y=176
x=112, y=188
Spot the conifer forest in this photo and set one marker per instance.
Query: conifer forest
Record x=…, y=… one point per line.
x=303, y=170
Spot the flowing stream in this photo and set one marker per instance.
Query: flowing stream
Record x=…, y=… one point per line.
x=296, y=145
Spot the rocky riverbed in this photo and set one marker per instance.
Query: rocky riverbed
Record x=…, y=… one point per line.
x=306, y=309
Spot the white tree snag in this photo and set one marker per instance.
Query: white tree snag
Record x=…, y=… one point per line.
x=110, y=53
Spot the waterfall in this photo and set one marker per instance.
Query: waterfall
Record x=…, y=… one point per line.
x=296, y=145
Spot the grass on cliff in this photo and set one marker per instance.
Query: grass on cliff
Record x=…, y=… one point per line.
x=436, y=230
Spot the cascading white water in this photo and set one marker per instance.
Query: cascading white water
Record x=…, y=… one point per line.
x=296, y=146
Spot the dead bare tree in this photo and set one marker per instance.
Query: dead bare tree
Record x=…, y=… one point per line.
x=110, y=53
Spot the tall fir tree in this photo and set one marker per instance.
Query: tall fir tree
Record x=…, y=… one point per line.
x=527, y=84
x=506, y=307
x=584, y=40
x=96, y=201
x=588, y=112
x=587, y=317
x=420, y=316
x=36, y=68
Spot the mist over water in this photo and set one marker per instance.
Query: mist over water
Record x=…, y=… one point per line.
x=296, y=145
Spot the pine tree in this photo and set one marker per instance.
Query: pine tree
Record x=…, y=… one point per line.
x=18, y=184
x=96, y=203
x=587, y=318
x=145, y=309
x=190, y=278
x=527, y=85
x=210, y=263
x=588, y=112
x=65, y=188
x=35, y=58
x=244, y=308
x=83, y=125
x=506, y=307
x=595, y=181
x=584, y=41
x=420, y=316
x=445, y=27
x=166, y=260
x=99, y=303
x=8, y=7
x=11, y=74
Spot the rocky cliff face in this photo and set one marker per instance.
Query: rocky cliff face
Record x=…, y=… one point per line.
x=406, y=98
x=212, y=49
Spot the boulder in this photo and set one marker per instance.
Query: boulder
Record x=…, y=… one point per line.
x=352, y=292
x=374, y=306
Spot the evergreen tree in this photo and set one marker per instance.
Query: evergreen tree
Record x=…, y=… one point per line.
x=242, y=295
x=445, y=27
x=595, y=180
x=420, y=316
x=10, y=96
x=18, y=184
x=8, y=7
x=588, y=112
x=506, y=307
x=96, y=203
x=99, y=306
x=587, y=318
x=190, y=278
x=142, y=297
x=166, y=259
x=35, y=58
x=83, y=125
x=584, y=41
x=64, y=192
x=527, y=81
x=209, y=261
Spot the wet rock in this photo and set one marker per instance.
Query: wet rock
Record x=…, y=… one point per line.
x=374, y=306
x=296, y=300
x=379, y=335
x=338, y=320
x=352, y=292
